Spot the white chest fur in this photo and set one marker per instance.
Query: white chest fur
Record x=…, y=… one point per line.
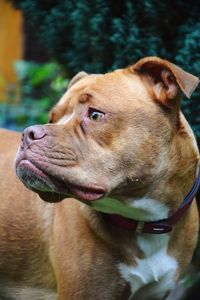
x=157, y=269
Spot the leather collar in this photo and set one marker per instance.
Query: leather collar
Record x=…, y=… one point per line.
x=157, y=227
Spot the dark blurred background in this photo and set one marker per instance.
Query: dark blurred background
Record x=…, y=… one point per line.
x=44, y=43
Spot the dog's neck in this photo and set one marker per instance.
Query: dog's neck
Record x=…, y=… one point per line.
x=144, y=209
x=142, y=215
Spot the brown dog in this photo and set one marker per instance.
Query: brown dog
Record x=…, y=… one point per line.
x=119, y=144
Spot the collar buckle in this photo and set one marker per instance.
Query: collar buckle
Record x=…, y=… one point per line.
x=140, y=226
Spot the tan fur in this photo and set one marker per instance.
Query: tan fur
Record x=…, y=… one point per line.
x=141, y=148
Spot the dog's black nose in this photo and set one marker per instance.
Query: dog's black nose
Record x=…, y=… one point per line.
x=32, y=133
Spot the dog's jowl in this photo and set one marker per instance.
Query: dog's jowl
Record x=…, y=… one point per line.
x=103, y=203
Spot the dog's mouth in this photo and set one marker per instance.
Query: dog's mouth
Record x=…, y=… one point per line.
x=53, y=189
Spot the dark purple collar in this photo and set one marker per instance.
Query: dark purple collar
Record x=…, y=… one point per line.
x=157, y=227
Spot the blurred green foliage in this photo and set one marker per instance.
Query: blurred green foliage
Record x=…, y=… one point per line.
x=100, y=35
x=41, y=87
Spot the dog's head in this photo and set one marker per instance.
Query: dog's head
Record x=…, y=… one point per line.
x=115, y=134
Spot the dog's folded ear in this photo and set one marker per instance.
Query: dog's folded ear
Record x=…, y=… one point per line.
x=164, y=79
x=76, y=78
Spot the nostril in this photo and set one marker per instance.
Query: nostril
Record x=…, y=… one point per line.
x=33, y=133
x=36, y=132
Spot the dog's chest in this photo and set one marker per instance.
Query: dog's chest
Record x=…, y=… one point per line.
x=157, y=269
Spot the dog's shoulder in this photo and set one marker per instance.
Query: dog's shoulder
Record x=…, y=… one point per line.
x=9, y=140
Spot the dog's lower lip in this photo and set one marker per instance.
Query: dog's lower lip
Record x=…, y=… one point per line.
x=27, y=164
x=87, y=193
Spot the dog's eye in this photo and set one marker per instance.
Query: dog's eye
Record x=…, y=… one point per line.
x=95, y=115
